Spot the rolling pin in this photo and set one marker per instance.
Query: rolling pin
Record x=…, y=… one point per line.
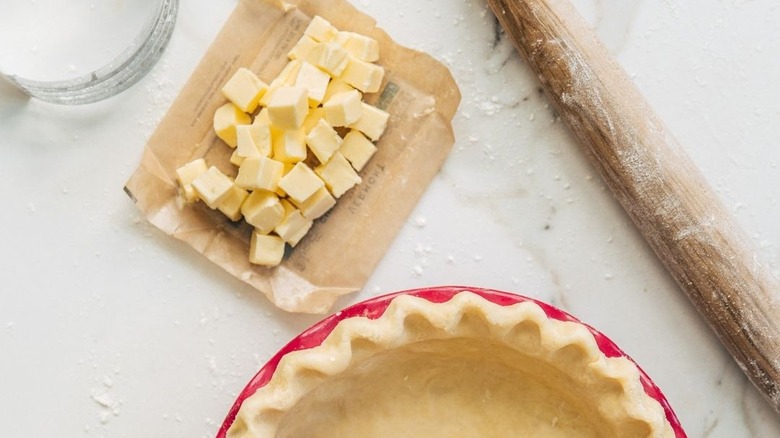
x=654, y=180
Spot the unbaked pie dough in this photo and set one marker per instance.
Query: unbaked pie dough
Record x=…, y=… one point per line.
x=463, y=368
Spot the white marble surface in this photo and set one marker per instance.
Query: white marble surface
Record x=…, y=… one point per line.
x=110, y=328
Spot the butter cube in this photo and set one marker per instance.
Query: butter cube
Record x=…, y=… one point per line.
x=357, y=149
x=285, y=78
x=288, y=107
x=302, y=48
x=364, y=76
x=320, y=29
x=266, y=250
x=336, y=86
x=212, y=186
x=317, y=204
x=372, y=122
x=280, y=191
x=360, y=46
x=267, y=96
x=329, y=57
x=231, y=205
x=253, y=140
x=343, y=108
x=226, y=118
x=236, y=159
x=259, y=173
x=311, y=120
x=314, y=81
x=289, y=73
x=262, y=118
x=262, y=210
x=323, y=140
x=186, y=174
x=287, y=205
x=289, y=146
x=338, y=174
x=294, y=226
x=300, y=183
x=244, y=89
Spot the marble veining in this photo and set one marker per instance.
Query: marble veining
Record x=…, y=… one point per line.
x=614, y=22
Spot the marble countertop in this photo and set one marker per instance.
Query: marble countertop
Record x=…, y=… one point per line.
x=108, y=327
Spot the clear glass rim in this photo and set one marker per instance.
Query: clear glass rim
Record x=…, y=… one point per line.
x=125, y=70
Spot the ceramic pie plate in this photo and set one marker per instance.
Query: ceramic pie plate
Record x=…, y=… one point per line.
x=451, y=362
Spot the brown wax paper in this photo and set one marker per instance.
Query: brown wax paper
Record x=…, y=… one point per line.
x=343, y=247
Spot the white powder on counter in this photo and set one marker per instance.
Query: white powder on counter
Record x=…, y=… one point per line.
x=108, y=407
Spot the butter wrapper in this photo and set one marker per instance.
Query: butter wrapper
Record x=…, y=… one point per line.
x=342, y=248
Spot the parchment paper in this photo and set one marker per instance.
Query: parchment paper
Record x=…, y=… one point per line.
x=343, y=247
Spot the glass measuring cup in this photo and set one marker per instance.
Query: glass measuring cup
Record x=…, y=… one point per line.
x=101, y=81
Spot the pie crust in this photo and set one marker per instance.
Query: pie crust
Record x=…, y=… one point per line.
x=464, y=367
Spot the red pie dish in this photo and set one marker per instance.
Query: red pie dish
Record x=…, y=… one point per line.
x=451, y=361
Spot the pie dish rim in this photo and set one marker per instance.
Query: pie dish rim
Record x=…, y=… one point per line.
x=375, y=307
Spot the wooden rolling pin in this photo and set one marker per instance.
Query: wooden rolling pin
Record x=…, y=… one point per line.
x=655, y=181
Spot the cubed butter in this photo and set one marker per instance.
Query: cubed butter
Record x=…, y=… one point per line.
x=262, y=118
x=311, y=120
x=226, y=118
x=266, y=250
x=360, y=46
x=302, y=48
x=289, y=146
x=236, y=159
x=231, y=205
x=329, y=57
x=253, y=140
x=285, y=78
x=343, y=108
x=186, y=174
x=357, y=149
x=300, y=183
x=320, y=29
x=317, y=92
x=244, y=89
x=317, y=204
x=212, y=186
x=267, y=96
x=259, y=173
x=314, y=81
x=262, y=210
x=288, y=73
x=365, y=76
x=372, y=121
x=336, y=86
x=338, y=174
x=323, y=140
x=287, y=205
x=279, y=191
x=294, y=226
x=288, y=107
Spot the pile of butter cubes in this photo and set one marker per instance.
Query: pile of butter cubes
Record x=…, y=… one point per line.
x=315, y=104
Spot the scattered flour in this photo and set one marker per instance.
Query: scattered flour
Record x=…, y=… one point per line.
x=108, y=407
